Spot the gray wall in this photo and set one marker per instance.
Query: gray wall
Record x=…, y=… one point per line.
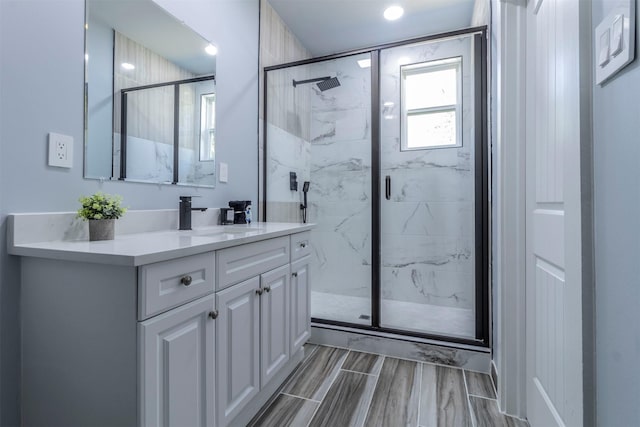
x=616, y=153
x=41, y=91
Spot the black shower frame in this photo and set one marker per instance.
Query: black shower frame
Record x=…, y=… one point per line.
x=176, y=121
x=482, y=238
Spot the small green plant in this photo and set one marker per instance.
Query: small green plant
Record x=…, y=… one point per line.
x=101, y=206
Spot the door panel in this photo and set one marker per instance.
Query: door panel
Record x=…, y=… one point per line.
x=237, y=364
x=274, y=322
x=324, y=137
x=177, y=359
x=428, y=200
x=554, y=295
x=300, y=303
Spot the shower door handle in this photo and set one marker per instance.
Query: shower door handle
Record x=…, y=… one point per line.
x=387, y=187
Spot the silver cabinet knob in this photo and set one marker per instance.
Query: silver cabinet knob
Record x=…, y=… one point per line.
x=267, y=288
x=213, y=314
x=303, y=245
x=294, y=274
x=186, y=280
x=259, y=291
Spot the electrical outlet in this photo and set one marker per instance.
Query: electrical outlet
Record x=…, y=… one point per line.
x=60, y=150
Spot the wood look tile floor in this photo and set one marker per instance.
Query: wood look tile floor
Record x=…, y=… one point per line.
x=335, y=387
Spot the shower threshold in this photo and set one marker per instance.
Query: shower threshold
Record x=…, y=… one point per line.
x=471, y=357
x=414, y=317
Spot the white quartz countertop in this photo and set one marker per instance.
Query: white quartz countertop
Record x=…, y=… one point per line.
x=145, y=248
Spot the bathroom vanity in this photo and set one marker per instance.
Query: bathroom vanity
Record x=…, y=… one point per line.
x=161, y=328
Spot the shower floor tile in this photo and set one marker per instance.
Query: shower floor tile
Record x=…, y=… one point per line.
x=410, y=316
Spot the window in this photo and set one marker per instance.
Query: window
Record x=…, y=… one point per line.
x=431, y=104
x=207, y=127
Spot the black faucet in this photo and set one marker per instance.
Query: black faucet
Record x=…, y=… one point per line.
x=185, y=212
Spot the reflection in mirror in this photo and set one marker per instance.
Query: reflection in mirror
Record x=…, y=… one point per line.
x=150, y=96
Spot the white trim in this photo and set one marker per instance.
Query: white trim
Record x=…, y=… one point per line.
x=510, y=207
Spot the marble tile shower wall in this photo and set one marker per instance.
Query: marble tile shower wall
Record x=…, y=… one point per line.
x=340, y=191
x=288, y=147
x=288, y=110
x=428, y=225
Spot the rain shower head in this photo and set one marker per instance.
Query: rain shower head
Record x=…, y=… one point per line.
x=324, y=83
x=328, y=84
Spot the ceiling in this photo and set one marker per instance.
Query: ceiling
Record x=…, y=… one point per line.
x=331, y=26
x=150, y=25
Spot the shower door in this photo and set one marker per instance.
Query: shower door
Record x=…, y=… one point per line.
x=430, y=178
x=318, y=130
x=391, y=146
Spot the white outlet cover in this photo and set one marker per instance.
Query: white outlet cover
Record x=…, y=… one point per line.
x=60, y=150
x=614, y=38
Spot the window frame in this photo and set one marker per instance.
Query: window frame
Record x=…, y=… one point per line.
x=427, y=67
x=204, y=144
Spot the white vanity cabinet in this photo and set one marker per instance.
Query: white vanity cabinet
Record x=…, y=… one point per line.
x=253, y=325
x=177, y=354
x=176, y=341
x=201, y=340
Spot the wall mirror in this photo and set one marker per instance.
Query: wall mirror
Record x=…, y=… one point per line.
x=150, y=96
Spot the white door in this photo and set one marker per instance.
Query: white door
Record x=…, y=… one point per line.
x=176, y=365
x=554, y=280
x=238, y=340
x=274, y=322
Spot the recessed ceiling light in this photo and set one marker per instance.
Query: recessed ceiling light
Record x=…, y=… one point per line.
x=364, y=63
x=127, y=66
x=211, y=49
x=393, y=12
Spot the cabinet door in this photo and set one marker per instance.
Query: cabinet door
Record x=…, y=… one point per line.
x=176, y=366
x=300, y=303
x=274, y=322
x=238, y=343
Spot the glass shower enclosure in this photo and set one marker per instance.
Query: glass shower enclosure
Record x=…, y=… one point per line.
x=392, y=144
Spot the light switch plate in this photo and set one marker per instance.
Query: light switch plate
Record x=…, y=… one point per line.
x=614, y=43
x=224, y=172
x=60, y=150
x=616, y=35
x=603, y=48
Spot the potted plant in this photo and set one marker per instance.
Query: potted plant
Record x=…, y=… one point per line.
x=101, y=210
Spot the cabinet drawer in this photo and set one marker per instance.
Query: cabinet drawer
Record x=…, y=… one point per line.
x=245, y=261
x=168, y=284
x=300, y=245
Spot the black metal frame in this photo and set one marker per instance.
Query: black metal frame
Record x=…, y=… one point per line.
x=375, y=190
x=482, y=338
x=176, y=121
